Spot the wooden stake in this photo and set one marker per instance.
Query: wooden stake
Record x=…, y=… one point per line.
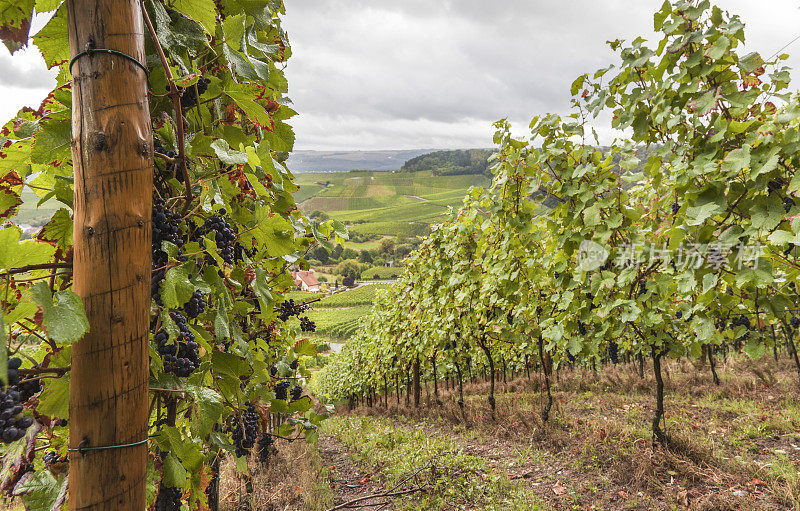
x=113, y=165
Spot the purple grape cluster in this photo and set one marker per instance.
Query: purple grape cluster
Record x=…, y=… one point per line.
x=289, y=308
x=196, y=305
x=166, y=227
x=281, y=390
x=13, y=424
x=306, y=325
x=296, y=392
x=190, y=94
x=224, y=236
x=265, y=447
x=245, y=430
x=158, y=148
x=182, y=357
x=168, y=499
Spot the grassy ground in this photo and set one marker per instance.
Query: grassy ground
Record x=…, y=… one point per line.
x=735, y=446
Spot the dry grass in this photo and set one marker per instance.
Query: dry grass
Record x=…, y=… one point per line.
x=293, y=479
x=732, y=446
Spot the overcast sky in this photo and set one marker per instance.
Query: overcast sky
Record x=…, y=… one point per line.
x=405, y=74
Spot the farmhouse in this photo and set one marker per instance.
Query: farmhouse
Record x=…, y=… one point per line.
x=305, y=281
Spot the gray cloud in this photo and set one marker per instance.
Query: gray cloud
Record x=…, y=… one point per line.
x=380, y=73
x=23, y=72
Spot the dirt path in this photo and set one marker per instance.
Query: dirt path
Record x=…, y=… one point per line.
x=348, y=479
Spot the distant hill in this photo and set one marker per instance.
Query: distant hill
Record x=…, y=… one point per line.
x=457, y=162
x=342, y=161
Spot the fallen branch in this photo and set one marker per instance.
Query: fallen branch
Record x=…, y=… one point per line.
x=390, y=493
x=350, y=503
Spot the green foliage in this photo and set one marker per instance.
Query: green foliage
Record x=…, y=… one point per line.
x=237, y=143
x=706, y=159
x=451, y=163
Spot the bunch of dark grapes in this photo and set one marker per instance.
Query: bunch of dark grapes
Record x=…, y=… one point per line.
x=181, y=358
x=794, y=321
x=296, y=392
x=581, y=328
x=51, y=457
x=166, y=227
x=741, y=320
x=289, y=308
x=245, y=430
x=168, y=499
x=13, y=425
x=264, y=447
x=306, y=325
x=224, y=236
x=281, y=389
x=293, y=365
x=788, y=203
x=160, y=149
x=190, y=94
x=613, y=352
x=196, y=305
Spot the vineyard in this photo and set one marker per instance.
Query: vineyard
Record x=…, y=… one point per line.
x=599, y=327
x=677, y=243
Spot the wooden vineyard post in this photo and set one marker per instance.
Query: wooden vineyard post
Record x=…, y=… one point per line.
x=113, y=164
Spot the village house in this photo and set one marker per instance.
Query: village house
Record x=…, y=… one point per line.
x=306, y=281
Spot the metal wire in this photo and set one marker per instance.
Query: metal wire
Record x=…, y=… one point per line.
x=110, y=52
x=81, y=448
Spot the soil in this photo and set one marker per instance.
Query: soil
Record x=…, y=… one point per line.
x=350, y=480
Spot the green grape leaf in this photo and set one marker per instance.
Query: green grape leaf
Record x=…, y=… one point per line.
x=64, y=319
x=209, y=409
x=58, y=230
x=754, y=347
x=41, y=491
x=274, y=234
x=176, y=289
x=53, y=142
x=227, y=155
x=174, y=473
x=202, y=11
x=54, y=400
x=9, y=203
x=17, y=254
x=50, y=39
x=244, y=99
x=767, y=213
x=15, y=22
